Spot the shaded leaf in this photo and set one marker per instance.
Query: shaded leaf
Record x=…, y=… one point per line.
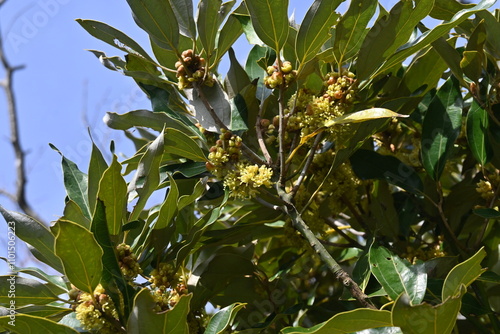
x=147, y=177
x=56, y=283
x=80, y=254
x=388, y=34
x=442, y=124
x=487, y=213
x=368, y=164
x=72, y=212
x=168, y=209
x=36, y=234
x=183, y=10
x=477, y=133
x=24, y=291
x=425, y=318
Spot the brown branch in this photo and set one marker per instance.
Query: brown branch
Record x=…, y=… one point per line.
x=19, y=197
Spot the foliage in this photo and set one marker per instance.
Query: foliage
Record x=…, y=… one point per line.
x=344, y=179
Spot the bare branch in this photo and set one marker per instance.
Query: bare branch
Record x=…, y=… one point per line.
x=19, y=197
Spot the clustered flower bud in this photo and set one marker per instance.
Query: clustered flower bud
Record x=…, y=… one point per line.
x=486, y=188
x=163, y=277
x=128, y=262
x=191, y=68
x=94, y=311
x=279, y=76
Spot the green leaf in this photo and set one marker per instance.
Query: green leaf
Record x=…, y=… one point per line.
x=24, y=291
x=168, y=209
x=363, y=116
x=73, y=213
x=432, y=35
x=113, y=193
x=113, y=37
x=315, y=29
x=144, y=320
x=397, y=275
x=487, y=213
x=237, y=78
x=368, y=165
x=80, y=254
x=218, y=100
x=178, y=143
x=53, y=313
x=34, y=233
x=158, y=19
x=56, y=283
x=97, y=166
x=25, y=323
x=445, y=9
x=463, y=274
x=144, y=118
x=147, y=177
x=351, y=29
x=477, y=133
x=442, y=124
x=425, y=318
x=229, y=33
x=347, y=322
x=208, y=24
x=183, y=10
x=113, y=281
x=270, y=21
x=388, y=34
x=75, y=182
x=224, y=318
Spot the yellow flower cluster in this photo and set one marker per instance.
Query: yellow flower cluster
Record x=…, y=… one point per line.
x=309, y=112
x=128, y=262
x=93, y=311
x=238, y=175
x=244, y=179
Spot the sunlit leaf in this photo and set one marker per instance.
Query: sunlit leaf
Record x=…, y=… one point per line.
x=315, y=29
x=80, y=254
x=397, y=275
x=24, y=291
x=477, y=133
x=223, y=318
x=270, y=21
x=25, y=323
x=363, y=116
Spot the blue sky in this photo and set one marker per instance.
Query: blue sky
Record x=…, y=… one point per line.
x=64, y=89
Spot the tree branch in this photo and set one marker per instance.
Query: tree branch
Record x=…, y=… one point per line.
x=333, y=265
x=19, y=197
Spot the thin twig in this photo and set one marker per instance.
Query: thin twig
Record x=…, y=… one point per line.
x=19, y=197
x=260, y=139
x=331, y=222
x=333, y=265
x=308, y=163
